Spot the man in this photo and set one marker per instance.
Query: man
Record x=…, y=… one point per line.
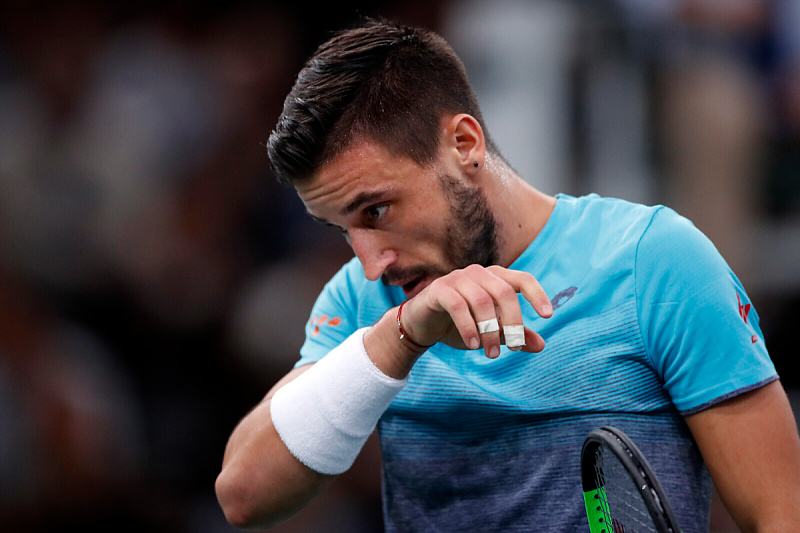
x=429, y=330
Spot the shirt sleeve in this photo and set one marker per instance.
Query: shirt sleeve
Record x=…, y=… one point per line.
x=333, y=317
x=700, y=328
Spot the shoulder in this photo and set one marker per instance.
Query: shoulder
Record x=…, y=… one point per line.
x=673, y=244
x=604, y=229
x=349, y=301
x=349, y=283
x=597, y=213
x=349, y=279
x=652, y=232
x=351, y=286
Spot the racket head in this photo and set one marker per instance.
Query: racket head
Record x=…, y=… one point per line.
x=620, y=489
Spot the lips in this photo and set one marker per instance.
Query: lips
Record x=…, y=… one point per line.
x=411, y=280
x=413, y=287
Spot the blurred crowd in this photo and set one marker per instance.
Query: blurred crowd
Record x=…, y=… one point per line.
x=155, y=279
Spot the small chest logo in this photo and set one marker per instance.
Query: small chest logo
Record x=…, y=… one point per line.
x=563, y=297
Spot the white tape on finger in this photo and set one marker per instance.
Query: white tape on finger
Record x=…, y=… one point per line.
x=515, y=336
x=488, y=326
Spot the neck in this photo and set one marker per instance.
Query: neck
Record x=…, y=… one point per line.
x=521, y=210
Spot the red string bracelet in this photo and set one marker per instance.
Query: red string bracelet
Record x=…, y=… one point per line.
x=403, y=334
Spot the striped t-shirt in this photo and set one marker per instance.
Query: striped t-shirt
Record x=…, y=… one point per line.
x=649, y=324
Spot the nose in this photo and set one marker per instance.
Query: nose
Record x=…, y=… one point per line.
x=373, y=252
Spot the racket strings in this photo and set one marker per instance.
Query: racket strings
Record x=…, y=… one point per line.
x=648, y=483
x=622, y=502
x=601, y=499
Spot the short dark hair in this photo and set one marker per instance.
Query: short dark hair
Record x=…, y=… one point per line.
x=381, y=81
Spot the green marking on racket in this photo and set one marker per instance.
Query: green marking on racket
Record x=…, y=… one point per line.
x=597, y=510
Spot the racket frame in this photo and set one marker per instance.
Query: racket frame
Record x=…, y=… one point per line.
x=637, y=467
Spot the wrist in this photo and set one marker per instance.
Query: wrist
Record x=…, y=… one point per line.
x=404, y=334
x=325, y=416
x=393, y=355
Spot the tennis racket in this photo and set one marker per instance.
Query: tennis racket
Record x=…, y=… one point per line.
x=621, y=492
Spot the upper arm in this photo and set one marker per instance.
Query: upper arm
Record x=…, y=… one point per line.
x=698, y=325
x=704, y=339
x=750, y=444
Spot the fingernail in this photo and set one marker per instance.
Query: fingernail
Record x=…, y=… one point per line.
x=494, y=352
x=474, y=343
x=547, y=309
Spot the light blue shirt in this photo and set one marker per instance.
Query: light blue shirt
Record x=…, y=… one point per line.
x=649, y=324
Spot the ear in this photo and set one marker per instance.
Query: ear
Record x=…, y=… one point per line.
x=464, y=141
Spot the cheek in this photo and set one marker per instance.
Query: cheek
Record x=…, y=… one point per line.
x=425, y=242
x=422, y=228
x=427, y=226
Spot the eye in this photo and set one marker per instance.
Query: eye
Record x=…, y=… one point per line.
x=375, y=212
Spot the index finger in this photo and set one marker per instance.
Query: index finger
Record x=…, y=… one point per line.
x=526, y=285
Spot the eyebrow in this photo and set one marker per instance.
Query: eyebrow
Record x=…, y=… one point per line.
x=361, y=199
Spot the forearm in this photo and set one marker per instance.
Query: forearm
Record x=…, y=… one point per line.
x=317, y=423
x=310, y=424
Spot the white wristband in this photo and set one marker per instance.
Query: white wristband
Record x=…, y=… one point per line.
x=325, y=416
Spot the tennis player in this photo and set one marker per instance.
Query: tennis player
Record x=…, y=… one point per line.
x=486, y=327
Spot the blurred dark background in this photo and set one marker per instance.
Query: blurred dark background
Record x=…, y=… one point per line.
x=155, y=280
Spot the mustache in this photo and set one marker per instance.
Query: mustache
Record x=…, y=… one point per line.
x=393, y=276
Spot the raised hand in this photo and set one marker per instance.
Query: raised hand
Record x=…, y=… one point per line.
x=451, y=308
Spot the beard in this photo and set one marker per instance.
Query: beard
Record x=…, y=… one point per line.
x=471, y=234
x=472, y=237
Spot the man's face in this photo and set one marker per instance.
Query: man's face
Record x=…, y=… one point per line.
x=407, y=224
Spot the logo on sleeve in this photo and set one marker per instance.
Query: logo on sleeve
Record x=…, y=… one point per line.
x=744, y=310
x=323, y=320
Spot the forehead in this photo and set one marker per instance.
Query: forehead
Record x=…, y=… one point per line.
x=366, y=169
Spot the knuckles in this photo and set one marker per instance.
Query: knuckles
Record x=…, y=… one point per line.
x=507, y=292
x=474, y=269
x=484, y=301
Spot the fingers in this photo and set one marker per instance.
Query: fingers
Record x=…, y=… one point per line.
x=485, y=304
x=534, y=343
x=525, y=284
x=452, y=308
x=500, y=302
x=472, y=309
x=454, y=303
